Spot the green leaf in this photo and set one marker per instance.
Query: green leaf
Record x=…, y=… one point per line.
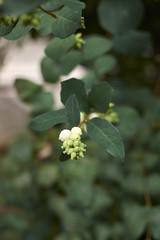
x=18, y=31
x=89, y=79
x=47, y=175
x=53, y=5
x=69, y=62
x=45, y=25
x=50, y=70
x=106, y=136
x=18, y=7
x=48, y=120
x=95, y=46
x=43, y=102
x=129, y=120
x=119, y=16
x=4, y=30
x=154, y=222
x=133, y=42
x=100, y=96
x=105, y=64
x=75, y=86
x=72, y=111
x=27, y=90
x=59, y=47
x=67, y=23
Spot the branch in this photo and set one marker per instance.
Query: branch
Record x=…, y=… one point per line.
x=49, y=13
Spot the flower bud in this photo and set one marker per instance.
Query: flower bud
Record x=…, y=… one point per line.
x=64, y=135
x=70, y=143
x=70, y=150
x=81, y=154
x=76, y=130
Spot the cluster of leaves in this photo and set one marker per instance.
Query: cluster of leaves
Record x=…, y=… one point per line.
x=95, y=198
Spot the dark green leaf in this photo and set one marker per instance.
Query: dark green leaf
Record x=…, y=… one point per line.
x=4, y=30
x=129, y=120
x=95, y=46
x=53, y=5
x=106, y=136
x=104, y=64
x=45, y=25
x=72, y=111
x=27, y=90
x=67, y=23
x=50, y=70
x=18, y=7
x=48, y=120
x=42, y=103
x=64, y=157
x=18, y=31
x=75, y=86
x=69, y=62
x=154, y=222
x=133, y=42
x=119, y=16
x=59, y=47
x=100, y=96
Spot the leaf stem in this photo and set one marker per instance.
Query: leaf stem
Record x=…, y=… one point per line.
x=49, y=13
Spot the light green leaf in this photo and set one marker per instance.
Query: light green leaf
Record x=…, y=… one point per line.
x=105, y=64
x=59, y=47
x=119, y=16
x=18, y=31
x=75, y=86
x=27, y=90
x=69, y=61
x=106, y=136
x=48, y=120
x=133, y=42
x=67, y=23
x=95, y=46
x=72, y=111
x=100, y=96
x=50, y=70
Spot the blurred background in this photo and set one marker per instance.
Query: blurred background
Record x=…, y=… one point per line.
x=98, y=197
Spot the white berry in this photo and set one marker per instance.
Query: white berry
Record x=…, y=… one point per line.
x=93, y=115
x=64, y=135
x=76, y=130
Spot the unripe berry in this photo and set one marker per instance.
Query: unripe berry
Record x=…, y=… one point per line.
x=70, y=150
x=76, y=144
x=64, y=135
x=65, y=144
x=73, y=155
x=111, y=105
x=70, y=143
x=93, y=115
x=76, y=149
x=81, y=154
x=76, y=130
x=74, y=136
x=35, y=22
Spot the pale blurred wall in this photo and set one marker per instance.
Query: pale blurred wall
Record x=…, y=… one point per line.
x=22, y=61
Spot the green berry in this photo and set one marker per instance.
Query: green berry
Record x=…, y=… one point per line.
x=76, y=144
x=81, y=154
x=76, y=149
x=74, y=136
x=70, y=143
x=70, y=150
x=73, y=155
x=35, y=22
x=65, y=144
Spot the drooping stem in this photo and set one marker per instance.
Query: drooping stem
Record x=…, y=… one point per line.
x=49, y=13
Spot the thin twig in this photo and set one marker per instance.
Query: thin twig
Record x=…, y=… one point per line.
x=49, y=13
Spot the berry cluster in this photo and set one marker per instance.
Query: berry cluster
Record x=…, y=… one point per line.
x=83, y=23
x=72, y=144
x=30, y=18
x=8, y=20
x=79, y=40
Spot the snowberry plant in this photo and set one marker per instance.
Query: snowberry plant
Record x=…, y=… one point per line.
x=88, y=108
